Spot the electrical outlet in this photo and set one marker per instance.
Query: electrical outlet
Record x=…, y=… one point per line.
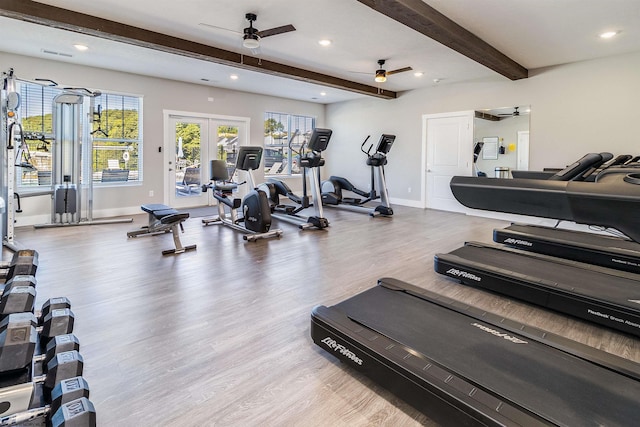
x=409, y=190
x=150, y=193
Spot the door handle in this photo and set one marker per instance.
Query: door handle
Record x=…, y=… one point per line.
x=170, y=169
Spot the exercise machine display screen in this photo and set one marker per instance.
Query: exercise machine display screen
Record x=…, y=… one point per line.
x=385, y=143
x=319, y=139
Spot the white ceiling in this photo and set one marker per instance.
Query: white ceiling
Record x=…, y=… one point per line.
x=535, y=34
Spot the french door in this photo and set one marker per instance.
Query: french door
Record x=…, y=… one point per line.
x=191, y=141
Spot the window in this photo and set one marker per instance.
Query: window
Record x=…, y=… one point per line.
x=36, y=105
x=282, y=131
x=117, y=136
x=116, y=132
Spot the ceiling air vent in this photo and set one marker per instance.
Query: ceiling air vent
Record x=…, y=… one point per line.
x=51, y=52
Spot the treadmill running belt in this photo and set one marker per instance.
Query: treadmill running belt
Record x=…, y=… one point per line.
x=529, y=381
x=604, y=296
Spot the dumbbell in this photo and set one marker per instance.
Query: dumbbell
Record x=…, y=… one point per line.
x=18, y=397
x=19, y=335
x=70, y=406
x=18, y=295
x=24, y=262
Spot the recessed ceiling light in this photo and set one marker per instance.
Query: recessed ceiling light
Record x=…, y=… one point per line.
x=418, y=74
x=80, y=47
x=608, y=34
x=233, y=77
x=437, y=80
x=323, y=93
x=324, y=42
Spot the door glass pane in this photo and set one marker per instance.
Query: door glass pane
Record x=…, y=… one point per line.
x=188, y=159
x=228, y=145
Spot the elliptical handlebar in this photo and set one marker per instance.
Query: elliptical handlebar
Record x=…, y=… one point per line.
x=368, y=152
x=296, y=133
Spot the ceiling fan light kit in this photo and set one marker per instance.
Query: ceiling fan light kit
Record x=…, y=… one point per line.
x=251, y=41
x=381, y=73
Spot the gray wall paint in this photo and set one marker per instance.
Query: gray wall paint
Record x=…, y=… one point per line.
x=576, y=108
x=158, y=95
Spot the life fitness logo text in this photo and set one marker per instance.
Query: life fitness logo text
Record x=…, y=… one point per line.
x=499, y=334
x=464, y=274
x=511, y=241
x=339, y=348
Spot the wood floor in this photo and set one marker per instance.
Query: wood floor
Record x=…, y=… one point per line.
x=220, y=336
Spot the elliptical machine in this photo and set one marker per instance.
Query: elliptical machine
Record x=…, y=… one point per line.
x=256, y=213
x=309, y=161
x=333, y=187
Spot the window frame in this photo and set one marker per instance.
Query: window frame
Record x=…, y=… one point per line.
x=39, y=99
x=283, y=146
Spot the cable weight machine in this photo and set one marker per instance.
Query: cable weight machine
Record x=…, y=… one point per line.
x=71, y=145
x=71, y=169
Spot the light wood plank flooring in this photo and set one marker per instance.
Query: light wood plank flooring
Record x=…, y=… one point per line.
x=220, y=336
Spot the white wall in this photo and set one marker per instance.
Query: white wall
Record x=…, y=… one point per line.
x=158, y=95
x=575, y=108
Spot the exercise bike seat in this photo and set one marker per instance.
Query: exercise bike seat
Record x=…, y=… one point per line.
x=225, y=187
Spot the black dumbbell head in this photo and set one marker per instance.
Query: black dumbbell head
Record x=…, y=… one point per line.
x=57, y=322
x=17, y=299
x=54, y=304
x=67, y=390
x=24, y=261
x=18, y=338
x=60, y=344
x=20, y=280
x=63, y=366
x=79, y=412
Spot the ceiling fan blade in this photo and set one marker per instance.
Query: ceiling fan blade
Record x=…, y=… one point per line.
x=399, y=70
x=276, y=30
x=215, y=27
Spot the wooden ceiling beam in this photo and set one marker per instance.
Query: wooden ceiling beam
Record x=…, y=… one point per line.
x=418, y=15
x=51, y=16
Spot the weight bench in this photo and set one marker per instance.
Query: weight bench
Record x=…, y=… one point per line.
x=164, y=219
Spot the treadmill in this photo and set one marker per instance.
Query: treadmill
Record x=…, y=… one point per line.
x=599, y=249
x=462, y=366
x=602, y=295
x=606, y=296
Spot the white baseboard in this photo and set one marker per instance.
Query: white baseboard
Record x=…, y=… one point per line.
x=24, y=221
x=406, y=202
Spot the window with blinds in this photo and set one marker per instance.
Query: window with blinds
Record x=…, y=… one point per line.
x=115, y=129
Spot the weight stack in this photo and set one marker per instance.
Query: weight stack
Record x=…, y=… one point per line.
x=65, y=199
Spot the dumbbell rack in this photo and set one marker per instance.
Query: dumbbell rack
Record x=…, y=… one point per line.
x=40, y=365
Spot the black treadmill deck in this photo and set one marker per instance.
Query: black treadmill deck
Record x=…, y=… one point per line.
x=604, y=250
x=462, y=366
x=605, y=296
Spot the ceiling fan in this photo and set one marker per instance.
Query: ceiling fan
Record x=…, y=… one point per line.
x=515, y=113
x=251, y=36
x=382, y=74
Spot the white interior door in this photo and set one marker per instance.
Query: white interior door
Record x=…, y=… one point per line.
x=449, y=152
